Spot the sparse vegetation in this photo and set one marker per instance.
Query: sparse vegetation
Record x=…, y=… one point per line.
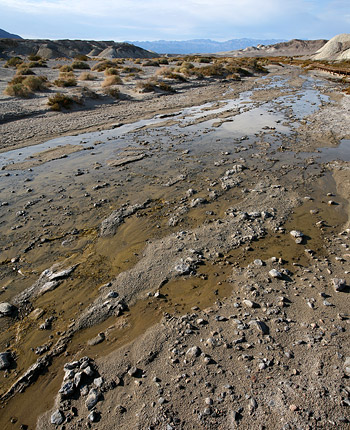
x=153, y=85
x=86, y=76
x=66, y=79
x=111, y=80
x=80, y=65
x=66, y=68
x=38, y=63
x=103, y=65
x=13, y=62
x=24, y=86
x=112, y=92
x=34, y=57
x=59, y=101
x=111, y=71
x=151, y=63
x=81, y=57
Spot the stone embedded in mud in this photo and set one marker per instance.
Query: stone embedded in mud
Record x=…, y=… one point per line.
x=250, y=304
x=298, y=236
x=67, y=390
x=198, y=201
x=260, y=326
x=275, y=274
x=5, y=360
x=57, y=418
x=193, y=352
x=92, y=398
x=98, y=339
x=182, y=268
x=339, y=284
x=6, y=309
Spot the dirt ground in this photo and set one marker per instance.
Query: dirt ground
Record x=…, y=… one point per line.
x=185, y=265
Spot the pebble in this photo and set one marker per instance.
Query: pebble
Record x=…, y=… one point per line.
x=92, y=398
x=5, y=360
x=275, y=274
x=6, y=309
x=260, y=326
x=57, y=417
x=193, y=352
x=338, y=284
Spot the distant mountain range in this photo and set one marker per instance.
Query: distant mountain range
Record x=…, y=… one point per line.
x=5, y=35
x=201, y=46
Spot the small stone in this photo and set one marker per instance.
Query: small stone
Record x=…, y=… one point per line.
x=57, y=418
x=133, y=371
x=339, y=284
x=6, y=309
x=98, y=382
x=258, y=262
x=92, y=398
x=296, y=233
x=67, y=390
x=293, y=408
x=260, y=326
x=275, y=274
x=96, y=340
x=93, y=417
x=5, y=360
x=250, y=304
x=193, y=352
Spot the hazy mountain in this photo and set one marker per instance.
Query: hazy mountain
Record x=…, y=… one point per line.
x=295, y=47
x=5, y=35
x=71, y=48
x=201, y=46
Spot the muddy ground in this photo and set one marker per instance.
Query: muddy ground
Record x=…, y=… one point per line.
x=186, y=269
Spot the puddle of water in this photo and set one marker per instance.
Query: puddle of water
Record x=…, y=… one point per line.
x=65, y=203
x=341, y=152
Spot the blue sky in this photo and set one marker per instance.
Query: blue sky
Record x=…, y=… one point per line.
x=175, y=20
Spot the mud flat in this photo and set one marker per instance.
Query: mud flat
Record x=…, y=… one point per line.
x=186, y=270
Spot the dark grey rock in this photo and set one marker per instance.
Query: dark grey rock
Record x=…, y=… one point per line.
x=92, y=398
x=5, y=360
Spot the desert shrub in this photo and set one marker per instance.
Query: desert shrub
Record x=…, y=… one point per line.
x=137, y=61
x=168, y=72
x=66, y=68
x=111, y=80
x=152, y=85
x=81, y=65
x=163, y=61
x=59, y=101
x=204, y=60
x=129, y=69
x=34, y=57
x=347, y=91
x=39, y=63
x=103, y=65
x=81, y=57
x=112, y=92
x=24, y=69
x=111, y=71
x=151, y=63
x=17, y=90
x=35, y=83
x=66, y=79
x=86, y=76
x=13, y=62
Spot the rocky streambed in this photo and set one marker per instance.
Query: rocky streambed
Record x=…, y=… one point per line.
x=185, y=271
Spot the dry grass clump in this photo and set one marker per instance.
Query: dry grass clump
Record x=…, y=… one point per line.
x=13, y=62
x=34, y=57
x=80, y=65
x=103, y=65
x=151, y=63
x=66, y=68
x=112, y=92
x=66, y=79
x=153, y=85
x=111, y=71
x=38, y=63
x=59, y=101
x=81, y=57
x=24, y=69
x=111, y=80
x=168, y=72
x=130, y=69
x=86, y=76
x=163, y=61
x=24, y=86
